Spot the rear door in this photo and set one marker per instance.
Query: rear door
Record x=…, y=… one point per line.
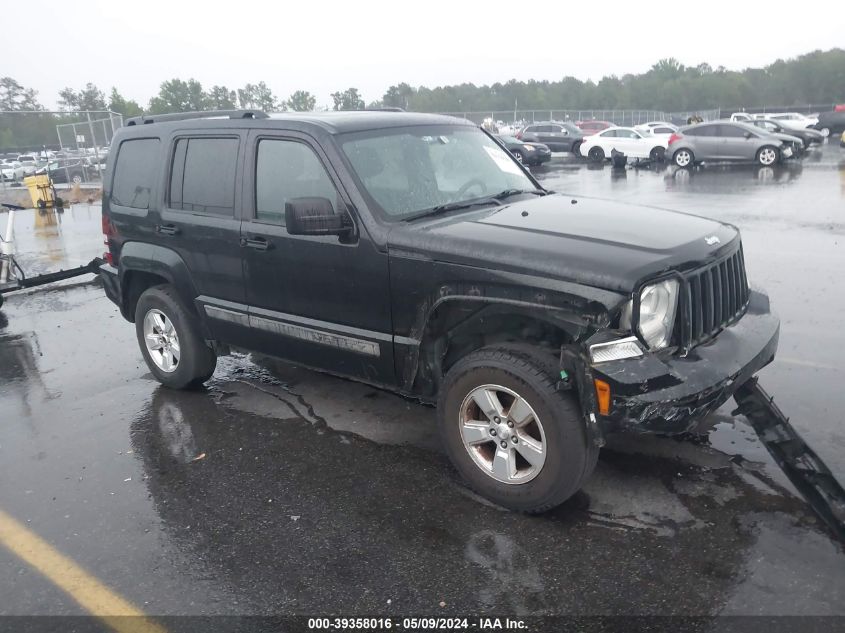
x=199, y=220
x=319, y=300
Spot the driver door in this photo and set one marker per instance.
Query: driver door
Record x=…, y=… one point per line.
x=318, y=300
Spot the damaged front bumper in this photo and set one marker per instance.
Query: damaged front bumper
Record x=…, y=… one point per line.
x=669, y=394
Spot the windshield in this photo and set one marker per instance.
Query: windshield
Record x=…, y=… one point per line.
x=408, y=170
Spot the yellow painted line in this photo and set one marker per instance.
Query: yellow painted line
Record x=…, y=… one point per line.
x=90, y=593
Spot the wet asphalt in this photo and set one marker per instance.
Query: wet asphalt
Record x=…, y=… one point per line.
x=282, y=491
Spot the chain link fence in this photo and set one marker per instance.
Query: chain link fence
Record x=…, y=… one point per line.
x=71, y=146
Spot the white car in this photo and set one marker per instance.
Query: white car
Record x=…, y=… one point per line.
x=657, y=128
x=794, y=120
x=741, y=117
x=11, y=170
x=30, y=164
x=627, y=140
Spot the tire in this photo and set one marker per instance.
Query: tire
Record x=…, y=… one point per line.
x=596, y=154
x=76, y=178
x=519, y=157
x=683, y=158
x=576, y=147
x=657, y=154
x=825, y=131
x=196, y=361
x=555, y=424
x=768, y=156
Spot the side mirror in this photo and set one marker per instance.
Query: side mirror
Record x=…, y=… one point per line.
x=314, y=216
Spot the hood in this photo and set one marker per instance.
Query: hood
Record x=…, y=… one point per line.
x=601, y=243
x=788, y=138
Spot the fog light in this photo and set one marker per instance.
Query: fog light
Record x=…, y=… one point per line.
x=616, y=350
x=603, y=396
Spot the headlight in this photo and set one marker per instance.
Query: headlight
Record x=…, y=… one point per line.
x=528, y=148
x=658, y=304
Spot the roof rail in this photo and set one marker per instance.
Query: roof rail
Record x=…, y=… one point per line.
x=210, y=114
x=385, y=109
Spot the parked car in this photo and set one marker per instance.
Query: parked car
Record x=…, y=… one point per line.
x=831, y=123
x=65, y=171
x=741, y=117
x=725, y=140
x=808, y=136
x=791, y=120
x=29, y=163
x=413, y=252
x=657, y=128
x=626, y=140
x=593, y=126
x=557, y=136
x=11, y=170
x=526, y=153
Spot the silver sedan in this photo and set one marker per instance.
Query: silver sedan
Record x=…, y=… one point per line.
x=725, y=140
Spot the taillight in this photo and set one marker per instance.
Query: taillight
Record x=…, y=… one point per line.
x=108, y=231
x=675, y=137
x=519, y=135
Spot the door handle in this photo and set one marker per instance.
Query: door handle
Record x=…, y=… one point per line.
x=257, y=242
x=167, y=229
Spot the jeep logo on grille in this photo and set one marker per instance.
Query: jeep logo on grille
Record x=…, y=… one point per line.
x=712, y=239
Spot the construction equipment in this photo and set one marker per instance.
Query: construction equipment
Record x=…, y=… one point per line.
x=807, y=472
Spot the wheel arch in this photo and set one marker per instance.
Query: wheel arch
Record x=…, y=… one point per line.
x=145, y=265
x=456, y=325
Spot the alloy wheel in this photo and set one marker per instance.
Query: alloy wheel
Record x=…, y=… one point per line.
x=502, y=434
x=161, y=340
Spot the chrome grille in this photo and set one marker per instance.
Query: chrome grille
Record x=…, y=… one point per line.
x=712, y=298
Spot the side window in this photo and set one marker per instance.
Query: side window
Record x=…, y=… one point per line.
x=285, y=170
x=663, y=130
x=609, y=134
x=203, y=176
x=134, y=172
x=731, y=131
x=531, y=129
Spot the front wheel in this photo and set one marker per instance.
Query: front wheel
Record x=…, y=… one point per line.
x=596, y=154
x=767, y=155
x=511, y=434
x=170, y=341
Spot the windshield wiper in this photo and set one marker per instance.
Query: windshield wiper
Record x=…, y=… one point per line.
x=507, y=193
x=473, y=202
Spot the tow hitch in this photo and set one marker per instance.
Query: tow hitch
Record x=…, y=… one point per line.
x=807, y=472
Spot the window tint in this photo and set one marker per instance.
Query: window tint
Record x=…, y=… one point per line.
x=610, y=134
x=203, y=175
x=627, y=134
x=704, y=130
x=731, y=131
x=134, y=173
x=285, y=170
x=530, y=129
x=663, y=130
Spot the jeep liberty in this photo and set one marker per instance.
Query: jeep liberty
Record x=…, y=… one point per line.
x=414, y=253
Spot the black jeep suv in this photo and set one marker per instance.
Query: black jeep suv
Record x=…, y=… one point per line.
x=413, y=252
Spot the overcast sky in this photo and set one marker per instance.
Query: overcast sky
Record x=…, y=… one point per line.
x=328, y=45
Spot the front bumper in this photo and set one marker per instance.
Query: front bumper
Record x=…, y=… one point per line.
x=669, y=394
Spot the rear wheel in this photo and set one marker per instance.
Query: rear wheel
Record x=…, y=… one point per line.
x=657, y=154
x=825, y=131
x=510, y=433
x=768, y=155
x=170, y=340
x=683, y=158
x=596, y=154
x=518, y=155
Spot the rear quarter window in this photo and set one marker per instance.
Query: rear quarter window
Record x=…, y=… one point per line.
x=134, y=172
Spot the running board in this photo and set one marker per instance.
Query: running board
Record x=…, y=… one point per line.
x=805, y=469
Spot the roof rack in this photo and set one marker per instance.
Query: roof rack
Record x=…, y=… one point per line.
x=385, y=109
x=210, y=114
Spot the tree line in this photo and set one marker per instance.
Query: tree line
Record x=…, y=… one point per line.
x=815, y=78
